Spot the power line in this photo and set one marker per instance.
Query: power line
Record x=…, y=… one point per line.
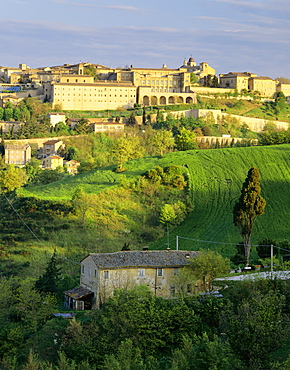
x=15, y=210
x=31, y=231
x=179, y=237
x=213, y=242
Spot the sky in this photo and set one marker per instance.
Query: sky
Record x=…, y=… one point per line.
x=230, y=35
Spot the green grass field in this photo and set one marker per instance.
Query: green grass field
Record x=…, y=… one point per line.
x=216, y=178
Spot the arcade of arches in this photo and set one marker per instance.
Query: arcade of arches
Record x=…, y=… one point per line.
x=166, y=100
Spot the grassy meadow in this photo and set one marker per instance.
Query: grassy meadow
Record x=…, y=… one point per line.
x=216, y=178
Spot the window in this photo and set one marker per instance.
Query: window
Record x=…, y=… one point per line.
x=106, y=274
x=176, y=271
x=172, y=291
x=89, y=271
x=83, y=268
x=141, y=272
x=159, y=272
x=95, y=273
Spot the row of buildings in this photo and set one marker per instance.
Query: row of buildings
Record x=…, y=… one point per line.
x=87, y=86
x=20, y=155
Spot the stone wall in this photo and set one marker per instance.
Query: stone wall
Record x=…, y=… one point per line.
x=224, y=141
x=254, y=124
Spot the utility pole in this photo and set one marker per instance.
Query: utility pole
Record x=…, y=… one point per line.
x=271, y=261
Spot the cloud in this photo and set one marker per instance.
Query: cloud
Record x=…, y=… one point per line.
x=280, y=6
x=226, y=46
x=87, y=5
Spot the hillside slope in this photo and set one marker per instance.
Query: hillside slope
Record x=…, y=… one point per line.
x=216, y=178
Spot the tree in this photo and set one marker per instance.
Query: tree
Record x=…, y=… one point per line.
x=283, y=80
x=91, y=71
x=32, y=168
x=193, y=78
x=83, y=203
x=2, y=147
x=159, y=116
x=83, y=127
x=249, y=206
x=215, y=81
x=203, y=353
x=47, y=176
x=239, y=258
x=16, y=114
x=167, y=217
x=144, y=117
x=128, y=357
x=8, y=114
x=207, y=266
x=127, y=149
x=48, y=282
x=61, y=127
x=183, y=281
x=132, y=120
x=280, y=102
x=12, y=178
x=185, y=140
x=162, y=140
x=154, y=324
x=256, y=327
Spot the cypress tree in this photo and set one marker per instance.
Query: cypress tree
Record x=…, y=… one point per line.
x=250, y=205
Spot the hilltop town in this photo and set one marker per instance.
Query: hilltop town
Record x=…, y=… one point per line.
x=118, y=189
x=88, y=86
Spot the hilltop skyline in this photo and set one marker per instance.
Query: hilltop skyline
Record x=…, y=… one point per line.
x=231, y=35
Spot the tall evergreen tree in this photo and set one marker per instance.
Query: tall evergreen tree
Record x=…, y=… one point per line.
x=48, y=282
x=250, y=205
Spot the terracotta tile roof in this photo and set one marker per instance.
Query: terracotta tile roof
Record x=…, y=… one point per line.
x=171, y=258
x=51, y=142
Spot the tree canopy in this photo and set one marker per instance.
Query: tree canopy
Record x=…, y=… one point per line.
x=207, y=266
x=12, y=178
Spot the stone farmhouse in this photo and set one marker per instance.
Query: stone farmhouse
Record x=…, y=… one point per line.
x=102, y=273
